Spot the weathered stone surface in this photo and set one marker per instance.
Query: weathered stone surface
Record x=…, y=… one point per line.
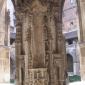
x=40, y=49
x=4, y=65
x=38, y=76
x=81, y=10
x=4, y=49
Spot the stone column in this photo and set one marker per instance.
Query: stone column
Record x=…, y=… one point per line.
x=81, y=11
x=18, y=49
x=39, y=38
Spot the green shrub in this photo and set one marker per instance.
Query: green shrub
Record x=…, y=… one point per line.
x=74, y=78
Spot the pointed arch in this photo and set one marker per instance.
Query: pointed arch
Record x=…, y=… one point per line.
x=70, y=63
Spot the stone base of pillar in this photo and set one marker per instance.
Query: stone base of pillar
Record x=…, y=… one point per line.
x=38, y=76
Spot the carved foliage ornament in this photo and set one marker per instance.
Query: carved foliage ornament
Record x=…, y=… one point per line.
x=27, y=4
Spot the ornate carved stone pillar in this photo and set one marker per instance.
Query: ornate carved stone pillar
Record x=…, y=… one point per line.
x=39, y=42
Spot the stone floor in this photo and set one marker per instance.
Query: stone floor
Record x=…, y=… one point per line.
x=6, y=84
x=78, y=83
x=74, y=83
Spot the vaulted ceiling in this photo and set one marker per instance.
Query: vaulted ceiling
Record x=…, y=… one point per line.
x=57, y=2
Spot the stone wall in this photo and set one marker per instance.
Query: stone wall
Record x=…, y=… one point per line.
x=4, y=49
x=81, y=10
x=4, y=65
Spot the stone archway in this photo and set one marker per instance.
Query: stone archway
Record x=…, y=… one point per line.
x=70, y=63
x=81, y=36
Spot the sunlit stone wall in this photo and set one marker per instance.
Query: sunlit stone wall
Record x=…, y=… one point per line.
x=2, y=24
x=4, y=48
x=4, y=65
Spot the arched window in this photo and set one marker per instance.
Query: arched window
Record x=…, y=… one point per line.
x=70, y=63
